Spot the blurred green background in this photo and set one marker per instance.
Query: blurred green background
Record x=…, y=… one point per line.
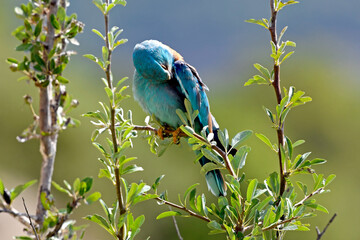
x=213, y=37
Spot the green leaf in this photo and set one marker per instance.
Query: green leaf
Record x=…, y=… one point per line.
x=265, y=72
x=189, y=190
x=168, y=214
x=329, y=179
x=263, y=138
x=317, y=161
x=24, y=47
x=316, y=207
x=239, y=159
x=60, y=189
x=18, y=189
x=257, y=79
x=251, y=189
x=62, y=80
x=97, y=32
x=270, y=114
x=101, y=222
x=298, y=143
x=2, y=188
x=214, y=225
x=282, y=33
x=61, y=14
x=211, y=156
x=131, y=169
x=258, y=22
x=286, y=56
x=182, y=116
x=38, y=28
x=301, y=160
x=187, y=130
x=209, y=167
x=54, y=22
x=240, y=138
x=93, y=197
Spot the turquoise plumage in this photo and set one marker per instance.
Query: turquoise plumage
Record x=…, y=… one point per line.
x=162, y=80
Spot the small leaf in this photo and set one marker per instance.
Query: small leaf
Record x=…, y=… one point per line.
x=258, y=22
x=298, y=143
x=301, y=160
x=240, y=138
x=54, y=22
x=214, y=225
x=251, y=189
x=2, y=188
x=62, y=80
x=60, y=189
x=265, y=72
x=38, y=28
x=93, y=197
x=257, y=79
x=263, y=138
x=18, y=189
x=329, y=179
x=168, y=214
x=101, y=222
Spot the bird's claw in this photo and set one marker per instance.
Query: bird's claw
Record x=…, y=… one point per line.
x=160, y=133
x=176, y=135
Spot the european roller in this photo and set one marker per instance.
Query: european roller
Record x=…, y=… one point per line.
x=162, y=81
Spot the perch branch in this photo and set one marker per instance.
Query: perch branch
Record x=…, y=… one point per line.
x=197, y=136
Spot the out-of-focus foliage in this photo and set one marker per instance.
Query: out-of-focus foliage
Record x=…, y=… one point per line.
x=223, y=49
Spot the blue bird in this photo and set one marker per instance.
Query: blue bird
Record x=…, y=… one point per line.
x=162, y=81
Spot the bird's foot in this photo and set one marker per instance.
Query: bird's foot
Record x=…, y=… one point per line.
x=160, y=132
x=176, y=135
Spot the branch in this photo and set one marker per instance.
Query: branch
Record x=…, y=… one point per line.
x=280, y=223
x=320, y=234
x=48, y=138
x=197, y=136
x=31, y=224
x=308, y=196
x=122, y=210
x=21, y=217
x=176, y=226
x=62, y=219
x=277, y=88
x=194, y=214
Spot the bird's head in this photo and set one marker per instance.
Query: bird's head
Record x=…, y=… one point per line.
x=154, y=60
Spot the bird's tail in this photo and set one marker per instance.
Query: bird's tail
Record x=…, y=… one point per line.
x=214, y=180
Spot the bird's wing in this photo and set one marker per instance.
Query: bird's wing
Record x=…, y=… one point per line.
x=194, y=90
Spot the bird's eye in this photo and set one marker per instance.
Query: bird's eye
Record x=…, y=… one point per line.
x=164, y=67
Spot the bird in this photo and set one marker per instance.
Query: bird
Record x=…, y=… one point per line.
x=162, y=80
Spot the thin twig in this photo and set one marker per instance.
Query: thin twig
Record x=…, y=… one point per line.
x=194, y=214
x=320, y=234
x=62, y=218
x=176, y=226
x=307, y=197
x=31, y=224
x=280, y=223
